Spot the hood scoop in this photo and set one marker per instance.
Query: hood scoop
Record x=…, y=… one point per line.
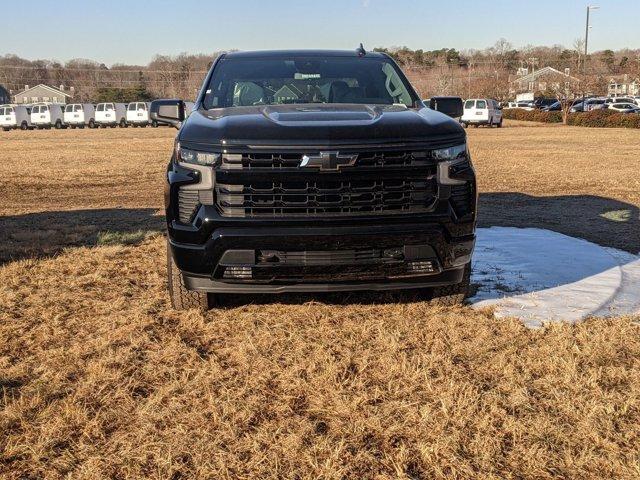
x=305, y=115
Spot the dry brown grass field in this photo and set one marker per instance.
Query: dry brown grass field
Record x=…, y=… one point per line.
x=100, y=378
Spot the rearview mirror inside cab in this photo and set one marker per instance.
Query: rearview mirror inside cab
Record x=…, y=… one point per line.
x=452, y=106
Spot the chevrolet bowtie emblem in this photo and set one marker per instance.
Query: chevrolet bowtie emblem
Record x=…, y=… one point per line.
x=328, y=160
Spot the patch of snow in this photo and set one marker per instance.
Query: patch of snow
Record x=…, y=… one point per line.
x=539, y=276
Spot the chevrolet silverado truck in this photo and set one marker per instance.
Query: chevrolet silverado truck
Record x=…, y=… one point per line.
x=315, y=171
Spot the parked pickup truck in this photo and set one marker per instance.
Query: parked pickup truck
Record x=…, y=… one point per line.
x=315, y=171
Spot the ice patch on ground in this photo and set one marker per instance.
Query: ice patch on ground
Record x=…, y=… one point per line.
x=539, y=276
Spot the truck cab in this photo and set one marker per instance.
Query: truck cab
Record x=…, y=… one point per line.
x=47, y=115
x=7, y=117
x=315, y=171
x=111, y=114
x=482, y=111
x=78, y=115
x=138, y=114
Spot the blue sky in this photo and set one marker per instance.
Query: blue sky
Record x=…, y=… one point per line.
x=132, y=31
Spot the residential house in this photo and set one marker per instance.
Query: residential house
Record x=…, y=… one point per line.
x=547, y=78
x=623, y=85
x=41, y=93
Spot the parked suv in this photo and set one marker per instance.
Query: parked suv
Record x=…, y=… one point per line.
x=315, y=171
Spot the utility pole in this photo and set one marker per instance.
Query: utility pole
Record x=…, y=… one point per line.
x=586, y=38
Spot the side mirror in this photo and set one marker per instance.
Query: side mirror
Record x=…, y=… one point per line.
x=451, y=106
x=169, y=111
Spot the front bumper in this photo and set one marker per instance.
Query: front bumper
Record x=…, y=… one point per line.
x=475, y=121
x=322, y=258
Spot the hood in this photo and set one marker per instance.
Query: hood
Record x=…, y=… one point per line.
x=333, y=124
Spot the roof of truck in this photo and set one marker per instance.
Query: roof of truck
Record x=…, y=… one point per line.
x=301, y=53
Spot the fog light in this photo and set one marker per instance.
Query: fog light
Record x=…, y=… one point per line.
x=240, y=273
x=426, y=266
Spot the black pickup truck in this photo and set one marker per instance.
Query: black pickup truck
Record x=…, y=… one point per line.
x=315, y=171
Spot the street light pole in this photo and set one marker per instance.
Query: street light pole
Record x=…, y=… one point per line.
x=586, y=38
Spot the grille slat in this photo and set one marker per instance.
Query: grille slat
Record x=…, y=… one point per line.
x=278, y=161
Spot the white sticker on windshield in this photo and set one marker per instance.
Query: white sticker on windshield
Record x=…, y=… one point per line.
x=304, y=76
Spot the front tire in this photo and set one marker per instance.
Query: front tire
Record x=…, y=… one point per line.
x=453, y=294
x=181, y=298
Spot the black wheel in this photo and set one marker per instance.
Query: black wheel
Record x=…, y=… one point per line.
x=24, y=126
x=58, y=125
x=123, y=123
x=453, y=294
x=181, y=298
x=154, y=124
x=92, y=123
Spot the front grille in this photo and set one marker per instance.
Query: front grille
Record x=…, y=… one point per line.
x=188, y=202
x=330, y=257
x=324, y=197
x=272, y=185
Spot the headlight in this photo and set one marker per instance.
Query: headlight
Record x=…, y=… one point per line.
x=453, y=161
x=194, y=157
x=451, y=153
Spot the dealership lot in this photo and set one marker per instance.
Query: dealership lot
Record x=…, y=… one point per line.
x=101, y=378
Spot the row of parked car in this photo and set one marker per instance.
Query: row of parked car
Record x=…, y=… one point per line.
x=618, y=104
x=76, y=115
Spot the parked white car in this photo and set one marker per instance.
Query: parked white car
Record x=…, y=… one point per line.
x=623, y=107
x=80, y=115
x=138, y=114
x=47, y=116
x=481, y=111
x=15, y=116
x=111, y=115
x=611, y=100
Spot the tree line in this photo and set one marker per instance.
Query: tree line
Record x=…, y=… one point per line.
x=445, y=71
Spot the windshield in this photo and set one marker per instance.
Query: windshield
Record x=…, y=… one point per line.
x=241, y=82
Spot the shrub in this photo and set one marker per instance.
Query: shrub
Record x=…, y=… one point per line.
x=594, y=118
x=532, y=116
